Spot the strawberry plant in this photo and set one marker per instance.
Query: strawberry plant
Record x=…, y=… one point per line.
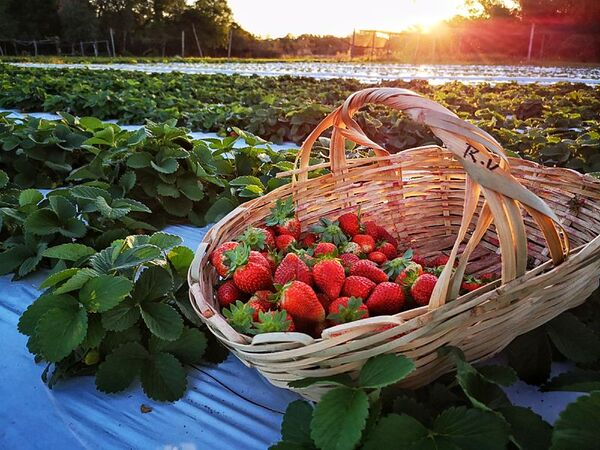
x=122, y=315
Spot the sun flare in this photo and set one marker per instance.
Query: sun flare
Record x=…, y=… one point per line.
x=276, y=18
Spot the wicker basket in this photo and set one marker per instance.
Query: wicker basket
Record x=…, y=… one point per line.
x=430, y=198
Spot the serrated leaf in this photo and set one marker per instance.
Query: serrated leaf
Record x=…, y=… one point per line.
x=115, y=339
x=163, y=378
x=60, y=330
x=529, y=431
x=42, y=222
x=29, y=319
x=127, y=180
x=73, y=228
x=132, y=205
x=578, y=426
x=403, y=404
x=295, y=426
x=90, y=193
x=164, y=241
x=167, y=190
x=153, y=283
x=181, y=258
x=104, y=292
x=30, y=197
x=108, y=211
x=122, y=316
x=502, y=375
x=29, y=264
x=13, y=258
x=121, y=367
x=163, y=320
x=69, y=252
x=136, y=256
x=57, y=277
x=168, y=165
x=95, y=332
x=578, y=380
x=187, y=348
x=399, y=431
x=573, y=339
x=339, y=418
x=383, y=370
x=191, y=187
x=76, y=281
x=179, y=207
x=470, y=429
x=63, y=208
x=219, y=209
x=247, y=180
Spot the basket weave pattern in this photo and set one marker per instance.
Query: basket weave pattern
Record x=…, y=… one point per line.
x=430, y=199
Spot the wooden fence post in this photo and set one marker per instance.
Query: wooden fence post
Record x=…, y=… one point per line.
x=112, y=41
x=531, y=34
x=197, y=41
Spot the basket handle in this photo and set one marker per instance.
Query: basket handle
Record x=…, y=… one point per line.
x=485, y=164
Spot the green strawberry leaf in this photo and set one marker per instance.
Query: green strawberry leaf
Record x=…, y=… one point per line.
x=342, y=379
x=528, y=430
x=121, y=367
x=181, y=258
x=163, y=378
x=339, y=418
x=69, y=252
x=76, y=281
x=73, y=228
x=502, y=375
x=30, y=197
x=108, y=211
x=163, y=320
x=578, y=426
x=122, y=316
x=13, y=258
x=95, y=332
x=168, y=165
x=154, y=283
x=578, y=380
x=187, y=348
x=63, y=208
x=164, y=241
x=132, y=205
x=531, y=356
x=30, y=318
x=57, y=342
x=219, y=209
x=104, y=292
x=57, y=277
x=573, y=339
x=384, y=370
x=90, y=193
x=139, y=160
x=3, y=179
x=295, y=426
x=42, y=222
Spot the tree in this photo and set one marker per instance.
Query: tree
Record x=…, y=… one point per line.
x=582, y=11
x=34, y=19
x=78, y=20
x=212, y=18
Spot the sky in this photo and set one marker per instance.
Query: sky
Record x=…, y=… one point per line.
x=277, y=18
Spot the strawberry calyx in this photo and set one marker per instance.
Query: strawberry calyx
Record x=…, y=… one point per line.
x=254, y=237
x=281, y=212
x=329, y=231
x=239, y=316
x=395, y=267
x=349, y=312
x=273, y=322
x=236, y=258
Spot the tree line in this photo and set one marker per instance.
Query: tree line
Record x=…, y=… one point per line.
x=154, y=28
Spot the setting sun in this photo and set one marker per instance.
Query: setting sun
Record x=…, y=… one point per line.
x=276, y=18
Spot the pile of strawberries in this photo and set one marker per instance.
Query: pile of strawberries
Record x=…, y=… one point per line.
x=275, y=278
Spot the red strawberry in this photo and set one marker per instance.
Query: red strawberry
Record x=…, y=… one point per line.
x=329, y=276
x=283, y=219
x=366, y=242
x=325, y=248
x=284, y=242
x=257, y=238
x=357, y=287
x=408, y=276
x=325, y=301
x=422, y=288
x=273, y=258
x=301, y=302
x=347, y=309
x=309, y=239
x=351, y=247
x=371, y=228
x=418, y=259
x=228, y=293
x=440, y=260
x=386, y=298
x=388, y=250
x=488, y=277
x=368, y=269
x=260, y=302
x=350, y=224
x=251, y=271
x=349, y=259
x=470, y=283
x=274, y=321
x=384, y=235
x=292, y=268
x=217, y=258
x=377, y=257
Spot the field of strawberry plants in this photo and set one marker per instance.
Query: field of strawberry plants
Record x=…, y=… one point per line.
x=85, y=202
